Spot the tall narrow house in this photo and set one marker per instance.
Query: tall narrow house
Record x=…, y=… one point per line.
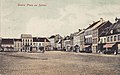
x=96, y=33
x=82, y=40
x=88, y=36
x=27, y=41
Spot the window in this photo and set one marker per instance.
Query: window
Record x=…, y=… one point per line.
x=104, y=40
x=111, y=38
x=108, y=39
x=39, y=44
x=34, y=43
x=115, y=38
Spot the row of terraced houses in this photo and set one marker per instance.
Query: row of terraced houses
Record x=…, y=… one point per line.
x=99, y=37
x=26, y=43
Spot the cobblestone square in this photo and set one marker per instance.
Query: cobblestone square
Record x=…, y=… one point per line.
x=58, y=63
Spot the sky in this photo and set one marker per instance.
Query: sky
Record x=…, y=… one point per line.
x=53, y=16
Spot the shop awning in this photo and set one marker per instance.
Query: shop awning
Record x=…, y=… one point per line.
x=108, y=45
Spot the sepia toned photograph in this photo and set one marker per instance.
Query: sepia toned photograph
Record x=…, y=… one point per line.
x=59, y=37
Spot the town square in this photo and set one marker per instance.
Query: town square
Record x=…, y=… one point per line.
x=59, y=37
x=58, y=63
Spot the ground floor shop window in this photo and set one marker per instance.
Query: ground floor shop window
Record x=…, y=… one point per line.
x=115, y=37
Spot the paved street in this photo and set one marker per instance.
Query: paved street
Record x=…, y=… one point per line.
x=58, y=63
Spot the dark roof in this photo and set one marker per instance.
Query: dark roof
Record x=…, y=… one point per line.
x=53, y=36
x=107, y=30
x=58, y=41
x=67, y=38
x=116, y=25
x=39, y=39
x=17, y=39
x=102, y=24
x=92, y=25
x=7, y=41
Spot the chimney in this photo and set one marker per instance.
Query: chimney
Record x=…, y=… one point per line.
x=117, y=19
x=101, y=19
x=79, y=30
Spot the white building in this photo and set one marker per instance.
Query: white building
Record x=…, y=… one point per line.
x=40, y=43
x=27, y=41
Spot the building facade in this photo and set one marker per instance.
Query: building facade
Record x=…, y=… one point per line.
x=27, y=41
x=76, y=40
x=7, y=44
x=56, y=42
x=52, y=42
x=96, y=32
x=82, y=41
x=66, y=43
x=18, y=44
x=88, y=37
x=39, y=44
x=110, y=40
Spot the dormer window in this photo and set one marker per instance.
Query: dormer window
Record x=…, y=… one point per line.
x=111, y=31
